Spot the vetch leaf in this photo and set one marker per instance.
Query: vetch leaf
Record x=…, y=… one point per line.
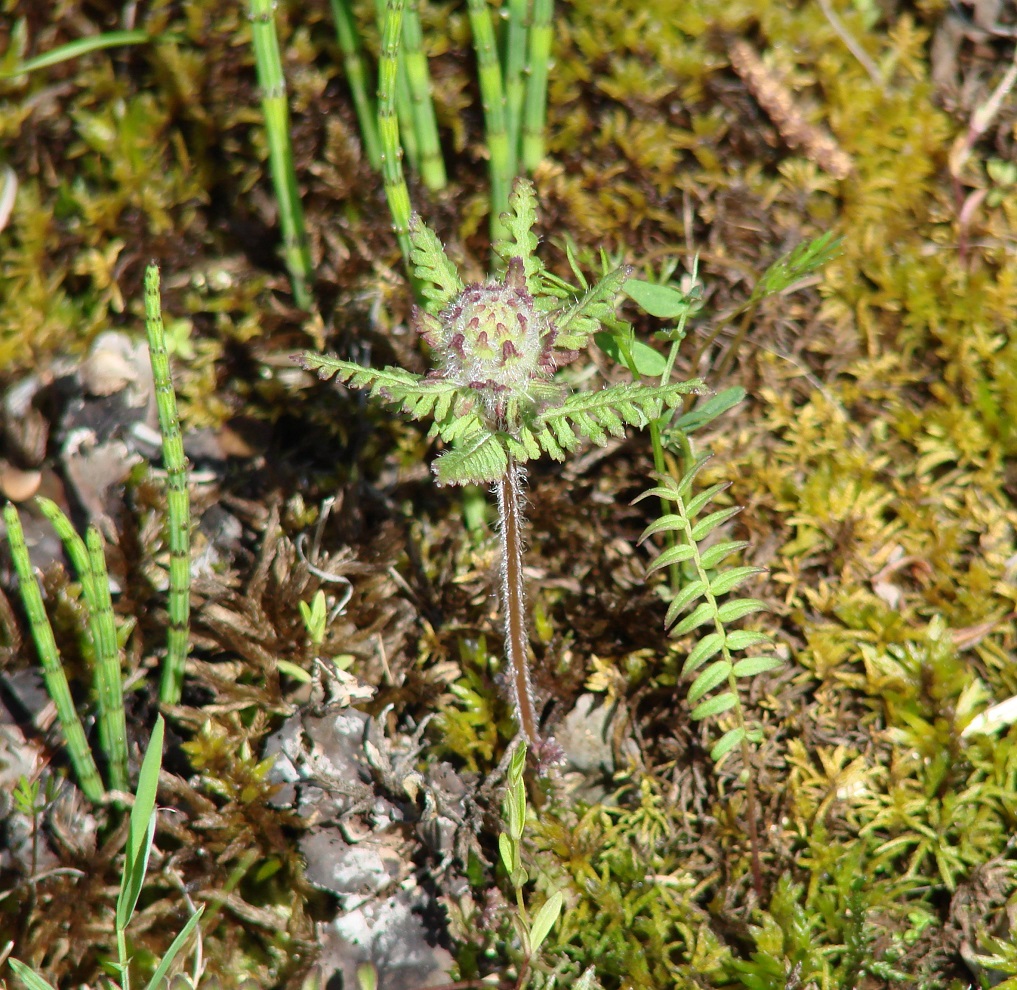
x=667, y=523
x=681, y=601
x=666, y=302
x=647, y=361
x=712, y=556
x=727, y=580
x=695, y=503
x=716, y=673
x=708, y=409
x=713, y=706
x=742, y=639
x=703, y=612
x=727, y=742
x=708, y=523
x=709, y=646
x=673, y=555
x=739, y=608
x=756, y=665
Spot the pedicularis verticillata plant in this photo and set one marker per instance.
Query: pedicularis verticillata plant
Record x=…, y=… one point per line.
x=493, y=396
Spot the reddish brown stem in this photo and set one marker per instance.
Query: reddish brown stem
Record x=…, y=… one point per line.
x=513, y=600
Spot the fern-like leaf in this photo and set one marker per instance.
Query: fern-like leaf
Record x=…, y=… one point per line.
x=418, y=397
x=586, y=315
x=596, y=415
x=712, y=661
x=521, y=242
x=478, y=459
x=439, y=277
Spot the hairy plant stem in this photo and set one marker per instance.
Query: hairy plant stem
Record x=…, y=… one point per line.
x=513, y=599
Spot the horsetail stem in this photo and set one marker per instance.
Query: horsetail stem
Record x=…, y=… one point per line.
x=178, y=502
x=268, y=63
x=52, y=670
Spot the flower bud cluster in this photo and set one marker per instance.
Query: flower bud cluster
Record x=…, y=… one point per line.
x=492, y=337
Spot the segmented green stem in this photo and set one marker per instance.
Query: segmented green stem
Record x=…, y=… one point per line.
x=356, y=76
x=108, y=672
x=178, y=500
x=535, y=114
x=296, y=253
x=492, y=96
x=52, y=670
x=403, y=101
x=102, y=627
x=515, y=86
x=396, y=193
x=513, y=601
x=432, y=166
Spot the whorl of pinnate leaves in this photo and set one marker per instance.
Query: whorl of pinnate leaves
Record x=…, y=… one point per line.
x=709, y=583
x=495, y=345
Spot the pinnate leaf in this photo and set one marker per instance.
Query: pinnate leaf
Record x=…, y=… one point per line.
x=479, y=460
x=440, y=279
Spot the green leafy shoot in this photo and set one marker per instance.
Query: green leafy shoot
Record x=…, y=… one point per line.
x=533, y=931
x=712, y=660
x=141, y=832
x=803, y=260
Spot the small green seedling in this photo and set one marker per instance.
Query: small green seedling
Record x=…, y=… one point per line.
x=140, y=834
x=532, y=930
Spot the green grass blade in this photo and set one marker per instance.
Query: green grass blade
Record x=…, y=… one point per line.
x=75, y=49
x=108, y=674
x=142, y=828
x=425, y=125
x=515, y=84
x=396, y=193
x=156, y=983
x=296, y=253
x=29, y=977
x=492, y=96
x=356, y=76
x=535, y=112
x=178, y=500
x=52, y=670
